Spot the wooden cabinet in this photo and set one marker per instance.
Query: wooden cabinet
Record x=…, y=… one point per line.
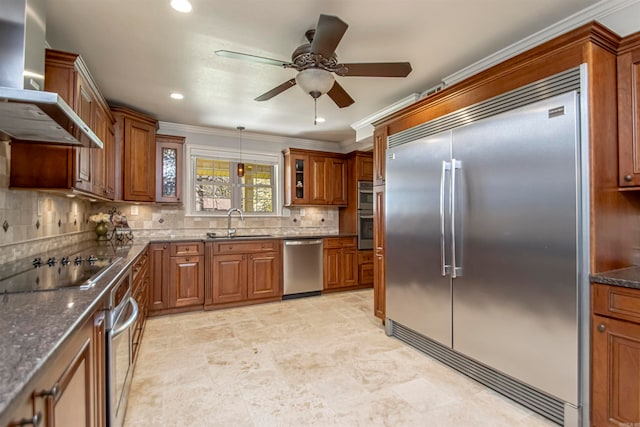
x=340, y=263
x=243, y=272
x=177, y=277
x=365, y=267
x=186, y=286
x=140, y=291
x=70, y=390
x=629, y=111
x=379, y=300
x=379, y=154
x=615, y=360
x=315, y=178
x=159, y=259
x=169, y=168
x=359, y=168
x=135, y=135
x=85, y=170
x=364, y=166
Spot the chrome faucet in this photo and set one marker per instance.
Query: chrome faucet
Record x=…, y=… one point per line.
x=231, y=232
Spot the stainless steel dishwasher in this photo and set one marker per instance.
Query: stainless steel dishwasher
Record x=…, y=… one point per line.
x=302, y=268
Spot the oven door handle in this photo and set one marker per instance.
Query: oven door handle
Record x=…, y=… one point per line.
x=127, y=324
x=366, y=216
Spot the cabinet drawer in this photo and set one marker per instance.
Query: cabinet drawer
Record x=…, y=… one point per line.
x=616, y=301
x=365, y=257
x=365, y=274
x=247, y=247
x=187, y=248
x=339, y=242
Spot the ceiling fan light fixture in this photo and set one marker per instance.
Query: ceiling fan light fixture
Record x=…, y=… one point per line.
x=181, y=5
x=315, y=81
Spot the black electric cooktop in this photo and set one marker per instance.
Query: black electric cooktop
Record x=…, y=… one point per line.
x=78, y=270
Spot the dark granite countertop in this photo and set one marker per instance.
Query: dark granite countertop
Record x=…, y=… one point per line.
x=34, y=325
x=626, y=277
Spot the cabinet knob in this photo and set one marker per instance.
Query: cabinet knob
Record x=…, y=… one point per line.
x=187, y=259
x=33, y=421
x=53, y=392
x=628, y=178
x=164, y=247
x=601, y=327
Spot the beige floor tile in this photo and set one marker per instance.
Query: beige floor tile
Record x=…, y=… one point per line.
x=319, y=361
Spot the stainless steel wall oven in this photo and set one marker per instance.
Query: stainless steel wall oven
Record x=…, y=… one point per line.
x=365, y=215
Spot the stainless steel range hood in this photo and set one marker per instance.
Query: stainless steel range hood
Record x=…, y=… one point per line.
x=26, y=112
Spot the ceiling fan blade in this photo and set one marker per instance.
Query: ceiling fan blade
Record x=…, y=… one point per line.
x=340, y=96
x=376, y=69
x=276, y=90
x=328, y=34
x=252, y=58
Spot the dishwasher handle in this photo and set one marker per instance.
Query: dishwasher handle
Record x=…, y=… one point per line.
x=302, y=242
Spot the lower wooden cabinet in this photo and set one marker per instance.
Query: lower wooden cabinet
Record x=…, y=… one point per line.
x=615, y=356
x=379, y=247
x=243, y=272
x=365, y=267
x=140, y=291
x=177, y=277
x=70, y=391
x=340, y=263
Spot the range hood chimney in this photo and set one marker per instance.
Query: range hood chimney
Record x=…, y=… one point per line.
x=27, y=113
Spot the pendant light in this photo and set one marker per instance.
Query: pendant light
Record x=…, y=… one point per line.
x=240, y=164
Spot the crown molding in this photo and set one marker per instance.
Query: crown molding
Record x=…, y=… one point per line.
x=364, y=128
x=181, y=129
x=595, y=12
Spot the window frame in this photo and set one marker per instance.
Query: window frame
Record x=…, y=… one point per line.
x=264, y=158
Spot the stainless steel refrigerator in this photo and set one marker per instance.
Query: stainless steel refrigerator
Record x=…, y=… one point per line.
x=482, y=232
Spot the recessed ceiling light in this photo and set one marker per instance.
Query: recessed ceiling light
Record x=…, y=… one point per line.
x=320, y=119
x=181, y=5
x=176, y=95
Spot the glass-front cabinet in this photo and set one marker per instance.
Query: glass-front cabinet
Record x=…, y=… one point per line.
x=296, y=178
x=169, y=168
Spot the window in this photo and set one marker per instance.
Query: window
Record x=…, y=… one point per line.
x=216, y=186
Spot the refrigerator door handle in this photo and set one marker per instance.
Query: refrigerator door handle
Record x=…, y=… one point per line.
x=443, y=267
x=455, y=164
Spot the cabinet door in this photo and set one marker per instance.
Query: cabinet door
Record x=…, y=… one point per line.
x=186, y=281
x=364, y=168
x=338, y=181
x=615, y=372
x=110, y=162
x=169, y=168
x=379, y=252
x=159, y=276
x=318, y=180
x=263, y=275
x=349, y=267
x=331, y=268
x=139, y=161
x=100, y=122
x=84, y=105
x=629, y=118
x=379, y=155
x=229, y=278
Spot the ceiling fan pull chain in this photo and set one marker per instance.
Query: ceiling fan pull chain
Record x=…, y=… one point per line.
x=315, y=111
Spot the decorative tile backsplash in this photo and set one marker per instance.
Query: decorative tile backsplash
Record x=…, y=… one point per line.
x=33, y=222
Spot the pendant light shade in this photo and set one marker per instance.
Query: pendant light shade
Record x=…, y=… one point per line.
x=315, y=81
x=240, y=170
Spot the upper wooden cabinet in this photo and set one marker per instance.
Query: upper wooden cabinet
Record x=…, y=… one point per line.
x=169, y=168
x=315, y=178
x=88, y=170
x=136, y=141
x=629, y=112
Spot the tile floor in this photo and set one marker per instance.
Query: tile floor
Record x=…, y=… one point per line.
x=319, y=361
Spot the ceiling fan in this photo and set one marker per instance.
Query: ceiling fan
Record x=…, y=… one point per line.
x=316, y=61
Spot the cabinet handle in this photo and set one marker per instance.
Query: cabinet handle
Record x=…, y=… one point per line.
x=33, y=421
x=187, y=259
x=46, y=393
x=601, y=327
x=186, y=249
x=628, y=178
x=164, y=247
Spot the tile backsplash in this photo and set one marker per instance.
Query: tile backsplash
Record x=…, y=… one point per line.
x=166, y=221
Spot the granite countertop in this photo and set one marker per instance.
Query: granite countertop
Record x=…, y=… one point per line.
x=222, y=237
x=34, y=325
x=628, y=277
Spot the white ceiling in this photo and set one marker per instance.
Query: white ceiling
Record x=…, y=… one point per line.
x=140, y=51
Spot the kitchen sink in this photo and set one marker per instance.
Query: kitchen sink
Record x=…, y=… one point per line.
x=236, y=236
